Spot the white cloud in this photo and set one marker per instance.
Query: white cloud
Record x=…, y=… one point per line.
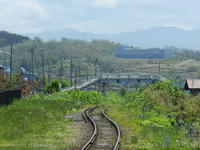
x=101, y=16
x=20, y=16
x=105, y=3
x=178, y=25
x=23, y=8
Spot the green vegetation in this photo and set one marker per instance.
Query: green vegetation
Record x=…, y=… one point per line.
x=149, y=115
x=39, y=123
x=94, y=55
x=85, y=55
x=145, y=116
x=57, y=85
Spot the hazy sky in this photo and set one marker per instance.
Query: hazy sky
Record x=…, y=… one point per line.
x=98, y=16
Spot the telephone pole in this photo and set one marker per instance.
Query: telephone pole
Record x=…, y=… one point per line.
x=71, y=67
x=61, y=71
x=11, y=59
x=75, y=82
x=32, y=70
x=159, y=68
x=79, y=74
x=87, y=75
x=49, y=75
x=43, y=74
x=95, y=71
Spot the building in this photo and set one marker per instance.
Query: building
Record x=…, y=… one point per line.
x=154, y=53
x=193, y=85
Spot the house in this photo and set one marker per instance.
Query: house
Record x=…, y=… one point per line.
x=193, y=85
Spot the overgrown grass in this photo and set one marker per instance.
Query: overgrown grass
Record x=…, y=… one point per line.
x=39, y=123
x=146, y=117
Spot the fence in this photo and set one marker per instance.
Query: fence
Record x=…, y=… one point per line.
x=6, y=97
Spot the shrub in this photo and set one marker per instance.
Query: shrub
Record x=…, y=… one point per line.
x=55, y=86
x=64, y=83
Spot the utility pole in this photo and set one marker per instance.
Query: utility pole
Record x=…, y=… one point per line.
x=32, y=70
x=71, y=67
x=11, y=59
x=87, y=75
x=61, y=71
x=95, y=67
x=181, y=79
x=49, y=76
x=159, y=68
x=79, y=74
x=95, y=70
x=75, y=82
x=43, y=75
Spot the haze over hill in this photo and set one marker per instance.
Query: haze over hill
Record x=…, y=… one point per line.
x=154, y=37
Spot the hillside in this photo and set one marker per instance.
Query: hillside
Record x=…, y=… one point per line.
x=96, y=55
x=7, y=38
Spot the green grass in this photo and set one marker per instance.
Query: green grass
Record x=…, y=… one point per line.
x=145, y=117
x=37, y=123
x=138, y=136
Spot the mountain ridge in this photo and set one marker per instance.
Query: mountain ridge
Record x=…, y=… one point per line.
x=153, y=37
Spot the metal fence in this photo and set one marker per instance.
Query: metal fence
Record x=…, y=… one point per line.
x=6, y=97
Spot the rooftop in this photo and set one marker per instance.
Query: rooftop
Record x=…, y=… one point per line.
x=192, y=84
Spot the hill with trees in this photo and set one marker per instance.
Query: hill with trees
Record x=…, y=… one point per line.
x=94, y=56
x=7, y=38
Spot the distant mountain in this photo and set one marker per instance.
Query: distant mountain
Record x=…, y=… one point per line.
x=69, y=33
x=154, y=37
x=7, y=38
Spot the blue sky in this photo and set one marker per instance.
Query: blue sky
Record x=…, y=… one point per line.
x=97, y=16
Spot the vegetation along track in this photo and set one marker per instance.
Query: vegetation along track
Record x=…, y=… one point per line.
x=106, y=133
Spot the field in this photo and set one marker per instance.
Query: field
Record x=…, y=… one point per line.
x=145, y=116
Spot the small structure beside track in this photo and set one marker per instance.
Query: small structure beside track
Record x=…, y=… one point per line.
x=193, y=85
x=6, y=97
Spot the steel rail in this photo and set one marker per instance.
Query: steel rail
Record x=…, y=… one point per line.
x=94, y=135
x=86, y=116
x=116, y=147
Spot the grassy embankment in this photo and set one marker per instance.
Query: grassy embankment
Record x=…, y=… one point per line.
x=39, y=122
x=146, y=117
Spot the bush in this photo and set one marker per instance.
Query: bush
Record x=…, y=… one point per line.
x=122, y=91
x=55, y=86
x=64, y=83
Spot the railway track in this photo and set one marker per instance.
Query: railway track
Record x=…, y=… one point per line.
x=106, y=133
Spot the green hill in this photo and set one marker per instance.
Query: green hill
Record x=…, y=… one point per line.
x=89, y=56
